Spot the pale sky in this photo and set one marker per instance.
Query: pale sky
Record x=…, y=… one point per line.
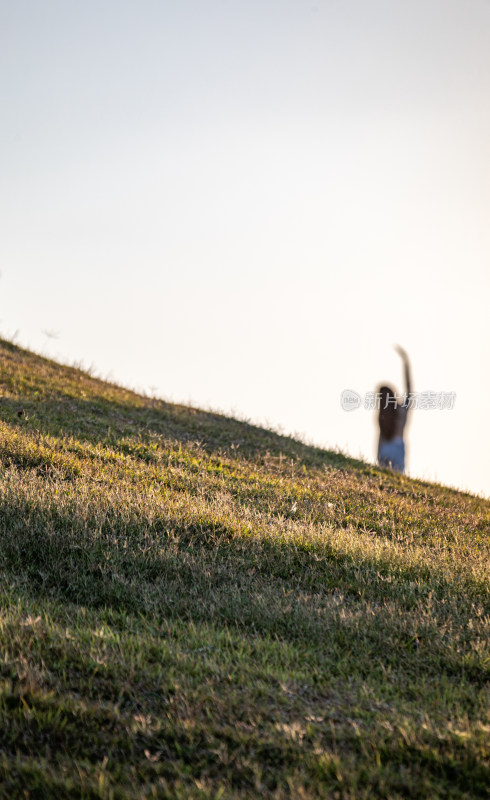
x=245, y=204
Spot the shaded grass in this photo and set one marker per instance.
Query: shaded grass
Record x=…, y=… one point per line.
x=194, y=607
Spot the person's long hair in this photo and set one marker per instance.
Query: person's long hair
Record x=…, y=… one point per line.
x=387, y=412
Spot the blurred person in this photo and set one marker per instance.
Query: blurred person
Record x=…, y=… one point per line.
x=392, y=420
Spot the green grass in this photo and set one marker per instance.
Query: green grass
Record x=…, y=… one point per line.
x=171, y=627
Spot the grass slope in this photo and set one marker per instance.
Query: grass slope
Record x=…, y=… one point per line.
x=171, y=627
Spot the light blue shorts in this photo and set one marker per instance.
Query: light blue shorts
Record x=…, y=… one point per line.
x=392, y=454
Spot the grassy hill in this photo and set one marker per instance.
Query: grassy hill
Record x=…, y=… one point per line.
x=193, y=607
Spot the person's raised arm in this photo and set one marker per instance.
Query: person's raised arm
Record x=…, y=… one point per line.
x=406, y=363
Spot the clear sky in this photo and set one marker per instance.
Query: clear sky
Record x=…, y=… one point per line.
x=243, y=204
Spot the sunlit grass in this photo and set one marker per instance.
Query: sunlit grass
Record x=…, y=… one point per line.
x=194, y=607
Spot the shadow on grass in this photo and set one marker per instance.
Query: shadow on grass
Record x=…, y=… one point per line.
x=308, y=594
